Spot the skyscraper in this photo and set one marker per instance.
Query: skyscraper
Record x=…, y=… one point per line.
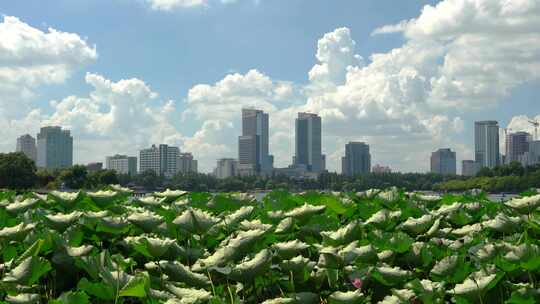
x=27, y=145
x=532, y=156
x=516, y=145
x=469, y=168
x=357, y=159
x=253, y=150
x=161, y=159
x=122, y=164
x=486, y=143
x=443, y=161
x=308, y=148
x=54, y=148
x=186, y=163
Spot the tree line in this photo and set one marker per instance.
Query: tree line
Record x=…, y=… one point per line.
x=512, y=177
x=19, y=173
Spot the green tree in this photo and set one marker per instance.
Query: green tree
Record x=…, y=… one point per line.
x=74, y=177
x=17, y=171
x=101, y=178
x=47, y=178
x=149, y=179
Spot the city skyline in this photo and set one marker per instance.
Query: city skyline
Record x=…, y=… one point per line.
x=121, y=90
x=168, y=160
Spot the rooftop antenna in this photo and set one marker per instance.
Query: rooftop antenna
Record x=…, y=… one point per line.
x=536, y=124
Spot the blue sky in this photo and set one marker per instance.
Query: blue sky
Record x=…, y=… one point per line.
x=174, y=50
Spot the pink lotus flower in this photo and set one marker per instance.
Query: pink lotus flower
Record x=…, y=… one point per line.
x=357, y=283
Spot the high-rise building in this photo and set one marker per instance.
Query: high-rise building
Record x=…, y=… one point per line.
x=469, y=168
x=443, y=161
x=308, y=147
x=122, y=164
x=516, y=145
x=357, y=159
x=54, y=148
x=161, y=159
x=253, y=147
x=486, y=143
x=226, y=167
x=27, y=145
x=532, y=156
x=381, y=169
x=186, y=163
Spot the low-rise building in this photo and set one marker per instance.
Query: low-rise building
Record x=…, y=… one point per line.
x=226, y=167
x=122, y=164
x=94, y=167
x=469, y=168
x=381, y=169
x=161, y=159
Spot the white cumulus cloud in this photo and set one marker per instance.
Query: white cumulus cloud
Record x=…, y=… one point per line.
x=29, y=59
x=169, y=5
x=460, y=55
x=123, y=116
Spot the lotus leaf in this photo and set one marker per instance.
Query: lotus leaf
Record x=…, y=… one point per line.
x=24, y=298
x=179, y=273
x=419, y=225
x=477, y=282
x=195, y=221
x=348, y=297
x=21, y=206
x=67, y=199
x=61, y=221
x=305, y=212
x=525, y=204
x=239, y=215
x=28, y=271
x=248, y=270
x=146, y=220
x=352, y=253
x=189, y=295
x=149, y=246
x=16, y=233
x=342, y=235
x=233, y=250
x=254, y=224
x=390, y=276
x=287, y=250
x=285, y=226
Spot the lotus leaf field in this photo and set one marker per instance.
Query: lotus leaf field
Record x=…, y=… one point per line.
x=377, y=246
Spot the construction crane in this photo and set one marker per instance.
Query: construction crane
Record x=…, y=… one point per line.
x=536, y=124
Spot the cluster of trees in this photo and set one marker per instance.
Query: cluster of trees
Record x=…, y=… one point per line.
x=508, y=178
x=19, y=172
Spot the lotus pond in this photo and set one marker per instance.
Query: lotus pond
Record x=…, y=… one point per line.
x=378, y=246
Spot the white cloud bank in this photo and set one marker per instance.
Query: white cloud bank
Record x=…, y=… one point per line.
x=169, y=5
x=29, y=59
x=172, y=5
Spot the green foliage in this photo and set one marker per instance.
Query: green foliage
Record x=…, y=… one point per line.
x=74, y=177
x=508, y=178
x=17, y=171
x=314, y=247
